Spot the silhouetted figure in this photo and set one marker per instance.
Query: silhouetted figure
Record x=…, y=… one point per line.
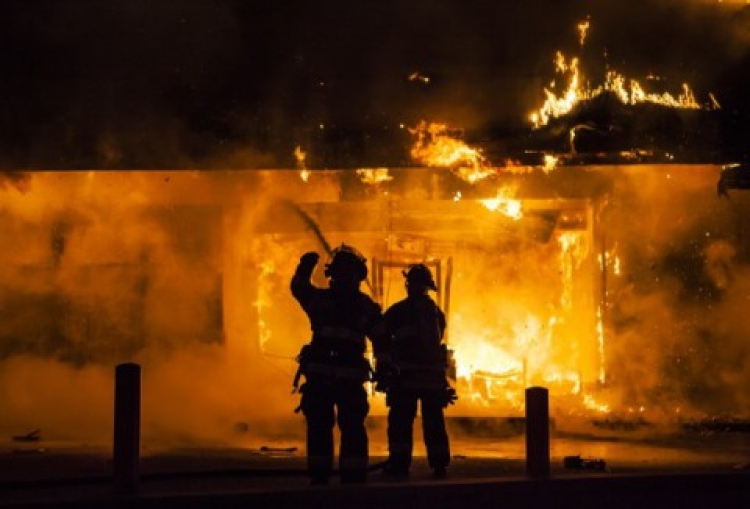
x=334, y=363
x=417, y=324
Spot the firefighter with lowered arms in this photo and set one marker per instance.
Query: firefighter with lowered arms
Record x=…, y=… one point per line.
x=334, y=363
x=421, y=361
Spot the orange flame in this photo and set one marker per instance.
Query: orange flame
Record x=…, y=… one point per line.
x=573, y=250
x=629, y=91
x=436, y=147
x=583, y=28
x=374, y=176
x=504, y=203
x=418, y=76
x=267, y=269
x=550, y=163
x=300, y=157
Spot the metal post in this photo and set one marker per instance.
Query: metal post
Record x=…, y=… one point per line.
x=537, y=432
x=126, y=451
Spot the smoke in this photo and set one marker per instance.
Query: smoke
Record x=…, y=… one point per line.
x=44, y=394
x=193, y=395
x=187, y=274
x=104, y=268
x=15, y=179
x=677, y=346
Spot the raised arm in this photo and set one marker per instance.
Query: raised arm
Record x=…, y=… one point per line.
x=301, y=286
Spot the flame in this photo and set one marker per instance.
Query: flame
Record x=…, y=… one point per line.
x=478, y=354
x=436, y=147
x=300, y=157
x=590, y=403
x=267, y=269
x=583, y=28
x=629, y=91
x=504, y=203
x=573, y=250
x=417, y=76
x=600, y=344
x=374, y=175
x=555, y=106
x=550, y=163
x=609, y=260
x=496, y=355
x=634, y=93
x=498, y=362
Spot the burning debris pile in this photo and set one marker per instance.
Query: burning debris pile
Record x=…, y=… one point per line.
x=621, y=119
x=604, y=129
x=596, y=117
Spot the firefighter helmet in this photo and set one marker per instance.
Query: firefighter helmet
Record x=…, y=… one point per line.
x=346, y=260
x=419, y=276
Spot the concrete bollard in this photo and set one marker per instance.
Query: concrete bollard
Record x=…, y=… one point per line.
x=537, y=432
x=126, y=450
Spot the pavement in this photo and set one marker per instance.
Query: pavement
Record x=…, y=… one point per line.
x=606, y=468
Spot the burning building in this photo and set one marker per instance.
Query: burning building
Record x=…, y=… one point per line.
x=591, y=255
x=618, y=287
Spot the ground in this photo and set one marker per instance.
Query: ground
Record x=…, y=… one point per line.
x=617, y=468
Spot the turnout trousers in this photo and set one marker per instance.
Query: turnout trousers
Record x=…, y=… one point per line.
x=403, y=404
x=325, y=403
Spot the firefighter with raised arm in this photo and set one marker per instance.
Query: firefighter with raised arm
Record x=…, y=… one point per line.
x=334, y=364
x=418, y=324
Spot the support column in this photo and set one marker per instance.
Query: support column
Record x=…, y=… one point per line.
x=126, y=451
x=537, y=432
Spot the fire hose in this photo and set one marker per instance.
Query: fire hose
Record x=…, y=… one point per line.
x=310, y=223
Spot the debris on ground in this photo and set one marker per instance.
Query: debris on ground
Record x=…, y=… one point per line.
x=28, y=452
x=579, y=463
x=278, y=449
x=31, y=436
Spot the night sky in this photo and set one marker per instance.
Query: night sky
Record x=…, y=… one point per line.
x=237, y=83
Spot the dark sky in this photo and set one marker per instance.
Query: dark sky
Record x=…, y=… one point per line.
x=175, y=83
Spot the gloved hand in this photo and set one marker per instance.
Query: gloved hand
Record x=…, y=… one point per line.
x=309, y=259
x=450, y=396
x=386, y=372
